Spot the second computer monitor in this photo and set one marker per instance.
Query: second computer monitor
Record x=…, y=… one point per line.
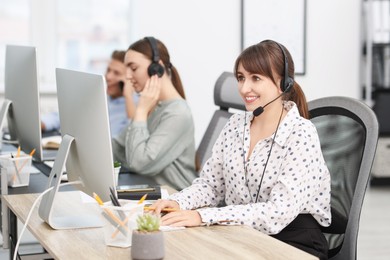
x=85, y=150
x=82, y=103
x=21, y=89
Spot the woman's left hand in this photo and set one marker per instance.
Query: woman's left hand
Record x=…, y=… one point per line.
x=182, y=218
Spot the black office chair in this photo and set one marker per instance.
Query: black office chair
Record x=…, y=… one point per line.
x=348, y=131
x=226, y=96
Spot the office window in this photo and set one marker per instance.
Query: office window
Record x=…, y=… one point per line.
x=88, y=34
x=81, y=38
x=14, y=27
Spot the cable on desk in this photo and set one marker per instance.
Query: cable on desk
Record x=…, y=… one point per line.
x=13, y=245
x=31, y=210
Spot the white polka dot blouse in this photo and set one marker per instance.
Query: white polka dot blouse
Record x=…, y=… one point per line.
x=295, y=180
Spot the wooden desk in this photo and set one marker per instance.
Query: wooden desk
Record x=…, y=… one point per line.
x=38, y=183
x=218, y=242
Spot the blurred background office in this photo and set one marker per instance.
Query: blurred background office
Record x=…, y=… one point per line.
x=338, y=40
x=205, y=38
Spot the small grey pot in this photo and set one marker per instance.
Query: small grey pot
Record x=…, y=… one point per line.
x=147, y=245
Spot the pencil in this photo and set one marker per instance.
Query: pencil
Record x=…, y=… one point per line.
x=142, y=199
x=25, y=162
x=16, y=174
x=109, y=212
x=32, y=152
x=124, y=222
x=163, y=210
x=98, y=199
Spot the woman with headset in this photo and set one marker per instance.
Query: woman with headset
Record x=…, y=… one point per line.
x=266, y=168
x=160, y=140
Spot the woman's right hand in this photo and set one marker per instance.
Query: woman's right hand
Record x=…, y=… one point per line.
x=149, y=97
x=160, y=204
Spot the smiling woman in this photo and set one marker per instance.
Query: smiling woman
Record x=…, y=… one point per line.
x=267, y=169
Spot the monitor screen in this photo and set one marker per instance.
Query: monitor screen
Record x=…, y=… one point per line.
x=86, y=142
x=82, y=103
x=21, y=89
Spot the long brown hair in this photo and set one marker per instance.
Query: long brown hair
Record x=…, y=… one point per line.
x=267, y=59
x=143, y=46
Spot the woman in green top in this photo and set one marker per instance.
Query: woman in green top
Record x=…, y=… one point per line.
x=160, y=140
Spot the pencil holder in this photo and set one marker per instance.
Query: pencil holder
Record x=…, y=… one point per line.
x=119, y=222
x=17, y=169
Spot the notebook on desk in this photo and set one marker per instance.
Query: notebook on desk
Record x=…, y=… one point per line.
x=135, y=193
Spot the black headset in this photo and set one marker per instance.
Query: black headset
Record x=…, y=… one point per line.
x=287, y=82
x=155, y=67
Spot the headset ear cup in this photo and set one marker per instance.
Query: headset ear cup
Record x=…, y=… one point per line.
x=154, y=69
x=288, y=84
x=283, y=85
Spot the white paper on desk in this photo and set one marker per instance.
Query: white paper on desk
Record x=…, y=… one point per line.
x=34, y=170
x=49, y=163
x=85, y=198
x=164, y=194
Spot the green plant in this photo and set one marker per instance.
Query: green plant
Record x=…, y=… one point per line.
x=117, y=164
x=148, y=223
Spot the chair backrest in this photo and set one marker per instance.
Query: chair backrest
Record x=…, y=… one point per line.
x=348, y=131
x=226, y=97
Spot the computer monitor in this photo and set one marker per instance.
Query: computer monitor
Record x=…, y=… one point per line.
x=85, y=147
x=21, y=104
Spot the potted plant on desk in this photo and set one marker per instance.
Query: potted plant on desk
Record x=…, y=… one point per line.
x=148, y=239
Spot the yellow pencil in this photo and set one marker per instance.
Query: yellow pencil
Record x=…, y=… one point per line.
x=142, y=199
x=98, y=199
x=16, y=164
x=163, y=210
x=25, y=162
x=109, y=212
x=32, y=152
x=124, y=222
x=18, y=151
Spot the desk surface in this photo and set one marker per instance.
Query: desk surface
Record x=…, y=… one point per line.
x=221, y=242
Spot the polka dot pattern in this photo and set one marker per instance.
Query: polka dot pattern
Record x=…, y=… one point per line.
x=296, y=179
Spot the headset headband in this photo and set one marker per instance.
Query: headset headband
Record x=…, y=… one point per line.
x=153, y=45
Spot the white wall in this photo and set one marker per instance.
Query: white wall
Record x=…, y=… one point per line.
x=333, y=49
x=203, y=38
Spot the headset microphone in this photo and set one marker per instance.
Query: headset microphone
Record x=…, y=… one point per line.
x=260, y=109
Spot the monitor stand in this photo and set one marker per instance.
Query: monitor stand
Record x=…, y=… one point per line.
x=60, y=216
x=3, y=113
